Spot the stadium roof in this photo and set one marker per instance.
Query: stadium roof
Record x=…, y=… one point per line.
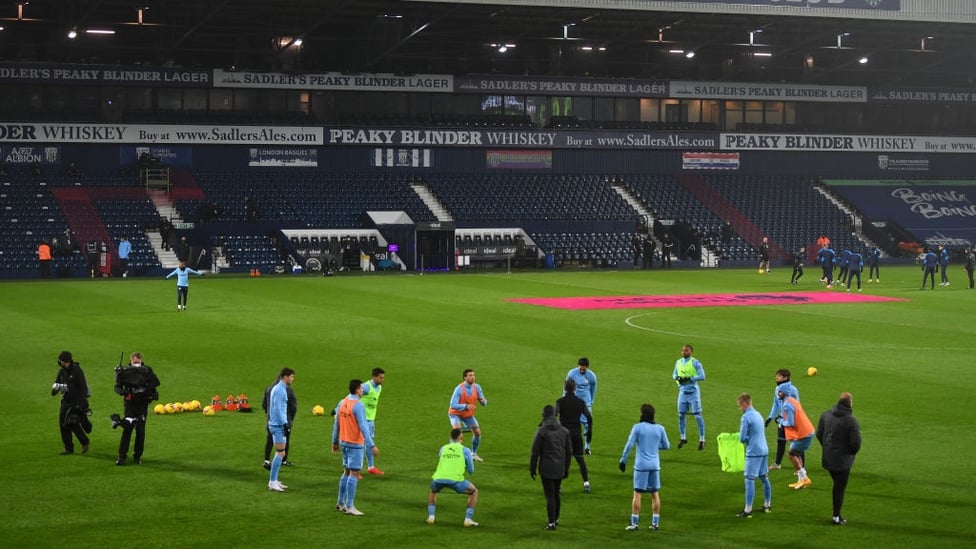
x=392, y=36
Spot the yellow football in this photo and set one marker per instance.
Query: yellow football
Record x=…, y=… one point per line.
x=811, y=371
x=208, y=411
x=318, y=410
x=159, y=409
x=170, y=408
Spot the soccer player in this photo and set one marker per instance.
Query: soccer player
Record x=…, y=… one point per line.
x=585, y=381
x=854, y=267
x=371, y=399
x=757, y=455
x=799, y=431
x=278, y=425
x=874, y=264
x=182, y=274
x=764, y=256
x=826, y=259
x=649, y=438
x=291, y=413
x=944, y=265
x=782, y=380
x=453, y=461
x=840, y=435
x=688, y=371
x=930, y=264
x=551, y=448
x=464, y=404
x=570, y=409
x=843, y=261
x=124, y=249
x=798, y=258
x=351, y=433
x=970, y=265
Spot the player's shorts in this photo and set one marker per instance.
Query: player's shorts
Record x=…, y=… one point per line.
x=689, y=404
x=647, y=482
x=352, y=456
x=460, y=486
x=277, y=433
x=801, y=445
x=458, y=422
x=756, y=466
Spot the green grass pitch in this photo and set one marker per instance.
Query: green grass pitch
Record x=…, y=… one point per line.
x=908, y=365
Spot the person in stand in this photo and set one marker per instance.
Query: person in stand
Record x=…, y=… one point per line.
x=572, y=411
x=250, y=210
x=124, y=249
x=290, y=413
x=278, y=425
x=970, y=265
x=165, y=230
x=182, y=274
x=764, y=256
x=137, y=384
x=585, y=381
x=551, y=449
x=930, y=264
x=453, y=460
x=637, y=246
x=840, y=435
x=648, y=438
x=874, y=264
x=351, y=433
x=44, y=258
x=464, y=404
x=70, y=383
x=182, y=249
x=91, y=251
x=371, y=400
x=757, y=455
x=798, y=259
x=688, y=371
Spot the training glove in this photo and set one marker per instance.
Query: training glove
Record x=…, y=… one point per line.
x=768, y=420
x=623, y=466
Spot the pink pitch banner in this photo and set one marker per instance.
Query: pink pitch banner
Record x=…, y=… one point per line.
x=702, y=300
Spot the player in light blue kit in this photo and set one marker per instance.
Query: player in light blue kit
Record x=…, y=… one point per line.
x=688, y=371
x=752, y=434
x=649, y=438
x=182, y=284
x=585, y=381
x=278, y=425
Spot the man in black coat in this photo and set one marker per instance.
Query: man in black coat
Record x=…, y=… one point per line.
x=569, y=409
x=550, y=457
x=137, y=385
x=73, y=417
x=840, y=435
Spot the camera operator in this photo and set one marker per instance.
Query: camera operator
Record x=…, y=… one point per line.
x=73, y=417
x=137, y=384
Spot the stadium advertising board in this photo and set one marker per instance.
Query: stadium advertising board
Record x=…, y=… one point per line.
x=885, y=5
x=102, y=75
x=771, y=91
x=540, y=85
x=334, y=81
x=30, y=155
x=401, y=158
x=280, y=157
x=847, y=143
x=158, y=134
x=519, y=160
x=941, y=213
x=522, y=139
x=921, y=95
x=709, y=161
x=165, y=155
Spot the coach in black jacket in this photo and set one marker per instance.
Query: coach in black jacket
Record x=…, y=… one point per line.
x=570, y=409
x=840, y=435
x=551, y=457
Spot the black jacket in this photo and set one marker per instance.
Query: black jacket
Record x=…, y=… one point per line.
x=840, y=435
x=552, y=450
x=74, y=378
